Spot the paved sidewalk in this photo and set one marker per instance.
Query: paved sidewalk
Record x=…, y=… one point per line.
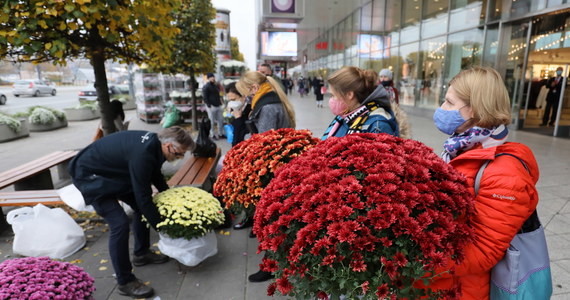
x=224, y=276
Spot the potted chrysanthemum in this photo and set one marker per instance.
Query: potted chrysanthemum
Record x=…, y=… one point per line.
x=43, y=278
x=365, y=215
x=249, y=166
x=189, y=216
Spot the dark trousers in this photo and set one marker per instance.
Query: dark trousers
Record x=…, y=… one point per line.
x=118, y=222
x=550, y=110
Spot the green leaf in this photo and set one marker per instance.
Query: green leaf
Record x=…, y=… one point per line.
x=69, y=7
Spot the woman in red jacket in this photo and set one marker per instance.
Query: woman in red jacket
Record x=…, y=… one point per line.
x=475, y=114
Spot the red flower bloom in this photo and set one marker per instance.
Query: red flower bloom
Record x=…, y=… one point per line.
x=382, y=291
x=249, y=166
x=363, y=206
x=322, y=295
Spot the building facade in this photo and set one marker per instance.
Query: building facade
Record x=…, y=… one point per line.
x=427, y=42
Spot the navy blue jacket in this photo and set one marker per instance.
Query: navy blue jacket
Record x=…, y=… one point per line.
x=122, y=163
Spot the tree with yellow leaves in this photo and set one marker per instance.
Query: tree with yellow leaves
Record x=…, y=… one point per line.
x=56, y=30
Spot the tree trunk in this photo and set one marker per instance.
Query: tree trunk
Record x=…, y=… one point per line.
x=194, y=102
x=98, y=63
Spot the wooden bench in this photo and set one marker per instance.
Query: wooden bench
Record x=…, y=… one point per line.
x=35, y=175
x=30, y=198
x=197, y=172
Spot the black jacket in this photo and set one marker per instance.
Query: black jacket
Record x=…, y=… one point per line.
x=239, y=124
x=554, y=91
x=211, y=94
x=123, y=163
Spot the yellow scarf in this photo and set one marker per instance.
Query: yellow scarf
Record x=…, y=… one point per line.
x=264, y=88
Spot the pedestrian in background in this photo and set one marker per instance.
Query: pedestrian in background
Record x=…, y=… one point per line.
x=386, y=80
x=554, y=86
x=124, y=166
x=317, y=88
x=267, y=70
x=214, y=108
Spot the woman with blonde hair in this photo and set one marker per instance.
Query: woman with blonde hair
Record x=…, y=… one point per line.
x=475, y=114
x=270, y=108
x=359, y=105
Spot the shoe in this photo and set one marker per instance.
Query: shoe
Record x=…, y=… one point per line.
x=245, y=223
x=542, y=124
x=251, y=234
x=260, y=276
x=136, y=289
x=149, y=258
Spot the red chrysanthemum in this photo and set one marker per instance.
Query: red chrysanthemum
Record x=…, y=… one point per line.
x=250, y=165
x=371, y=206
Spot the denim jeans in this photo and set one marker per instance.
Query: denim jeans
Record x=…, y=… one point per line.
x=118, y=221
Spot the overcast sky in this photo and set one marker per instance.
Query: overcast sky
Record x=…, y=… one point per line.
x=242, y=26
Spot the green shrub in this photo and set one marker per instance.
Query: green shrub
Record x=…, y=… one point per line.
x=44, y=115
x=94, y=106
x=12, y=122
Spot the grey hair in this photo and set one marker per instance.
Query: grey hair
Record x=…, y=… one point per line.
x=176, y=134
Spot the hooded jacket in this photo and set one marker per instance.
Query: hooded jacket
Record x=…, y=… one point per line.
x=507, y=197
x=380, y=120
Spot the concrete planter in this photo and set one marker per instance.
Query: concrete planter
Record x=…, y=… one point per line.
x=47, y=127
x=7, y=134
x=81, y=114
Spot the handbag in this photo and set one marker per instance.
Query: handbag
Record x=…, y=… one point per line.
x=205, y=147
x=524, y=272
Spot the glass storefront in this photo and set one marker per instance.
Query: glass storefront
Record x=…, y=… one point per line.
x=427, y=42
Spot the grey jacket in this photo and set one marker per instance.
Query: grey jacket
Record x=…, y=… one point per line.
x=269, y=113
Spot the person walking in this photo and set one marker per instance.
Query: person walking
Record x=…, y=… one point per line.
x=475, y=115
x=317, y=88
x=213, y=101
x=554, y=86
x=124, y=166
x=359, y=105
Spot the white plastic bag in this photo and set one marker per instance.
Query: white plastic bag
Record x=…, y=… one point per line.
x=41, y=231
x=73, y=198
x=189, y=252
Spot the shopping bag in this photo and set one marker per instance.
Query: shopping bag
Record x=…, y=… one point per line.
x=171, y=117
x=73, y=198
x=189, y=252
x=229, y=129
x=524, y=271
x=44, y=231
x=323, y=90
x=205, y=147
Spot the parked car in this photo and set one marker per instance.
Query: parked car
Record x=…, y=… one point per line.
x=33, y=88
x=2, y=99
x=88, y=93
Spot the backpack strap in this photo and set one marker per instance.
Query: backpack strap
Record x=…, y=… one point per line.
x=532, y=223
x=484, y=165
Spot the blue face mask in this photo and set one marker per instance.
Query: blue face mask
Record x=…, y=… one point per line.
x=447, y=121
x=558, y=73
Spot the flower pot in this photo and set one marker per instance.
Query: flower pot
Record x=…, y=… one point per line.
x=7, y=134
x=47, y=127
x=81, y=114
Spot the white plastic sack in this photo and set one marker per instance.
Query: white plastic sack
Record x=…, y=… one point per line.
x=43, y=231
x=189, y=252
x=73, y=198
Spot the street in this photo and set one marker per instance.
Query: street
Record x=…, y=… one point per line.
x=66, y=97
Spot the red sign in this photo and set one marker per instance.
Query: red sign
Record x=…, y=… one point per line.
x=322, y=46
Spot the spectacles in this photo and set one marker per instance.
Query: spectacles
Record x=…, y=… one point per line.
x=176, y=153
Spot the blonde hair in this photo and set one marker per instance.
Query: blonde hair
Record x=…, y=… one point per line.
x=253, y=77
x=483, y=89
x=353, y=79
